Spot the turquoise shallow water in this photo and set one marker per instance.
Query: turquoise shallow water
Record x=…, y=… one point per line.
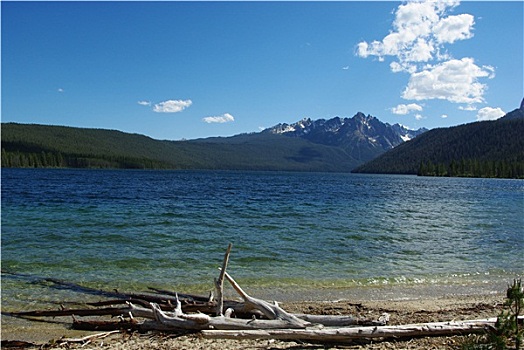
x=292, y=233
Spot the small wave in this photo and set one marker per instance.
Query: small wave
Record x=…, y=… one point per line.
x=257, y=259
x=355, y=237
x=114, y=238
x=132, y=263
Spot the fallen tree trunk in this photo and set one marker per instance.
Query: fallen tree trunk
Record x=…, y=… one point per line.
x=320, y=320
x=143, y=309
x=108, y=311
x=339, y=321
x=178, y=320
x=349, y=334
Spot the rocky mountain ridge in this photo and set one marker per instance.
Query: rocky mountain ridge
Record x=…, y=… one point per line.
x=363, y=137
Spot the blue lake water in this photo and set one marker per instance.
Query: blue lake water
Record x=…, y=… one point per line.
x=290, y=231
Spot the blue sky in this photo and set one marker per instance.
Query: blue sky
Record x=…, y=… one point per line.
x=185, y=70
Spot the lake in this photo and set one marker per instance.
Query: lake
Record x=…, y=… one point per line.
x=294, y=235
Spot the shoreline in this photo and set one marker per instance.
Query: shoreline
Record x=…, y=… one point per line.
x=390, y=292
x=413, y=305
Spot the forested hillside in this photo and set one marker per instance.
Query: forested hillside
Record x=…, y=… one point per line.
x=31, y=145
x=481, y=149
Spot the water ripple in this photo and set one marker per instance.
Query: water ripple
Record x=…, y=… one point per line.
x=139, y=227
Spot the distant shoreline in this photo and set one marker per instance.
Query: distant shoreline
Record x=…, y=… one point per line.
x=424, y=175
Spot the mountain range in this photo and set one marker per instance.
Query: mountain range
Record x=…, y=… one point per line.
x=362, y=137
x=337, y=144
x=359, y=144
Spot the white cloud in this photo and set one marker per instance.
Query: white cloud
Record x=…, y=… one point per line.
x=468, y=108
x=453, y=28
x=144, y=103
x=444, y=116
x=489, y=113
x=403, y=109
x=172, y=106
x=454, y=80
x=404, y=67
x=60, y=90
x=224, y=118
x=345, y=67
x=363, y=49
x=419, y=31
x=419, y=35
x=418, y=117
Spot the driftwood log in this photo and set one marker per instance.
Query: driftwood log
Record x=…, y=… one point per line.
x=219, y=283
x=142, y=311
x=271, y=311
x=251, y=318
x=349, y=334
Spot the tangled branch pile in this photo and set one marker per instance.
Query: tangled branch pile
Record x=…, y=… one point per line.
x=251, y=318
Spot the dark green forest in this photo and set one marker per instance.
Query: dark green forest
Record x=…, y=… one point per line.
x=481, y=149
x=474, y=168
x=32, y=145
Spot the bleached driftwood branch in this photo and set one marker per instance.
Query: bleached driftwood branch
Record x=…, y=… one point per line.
x=348, y=334
x=196, y=322
x=178, y=320
x=271, y=311
x=340, y=320
x=141, y=311
x=87, y=339
x=219, y=284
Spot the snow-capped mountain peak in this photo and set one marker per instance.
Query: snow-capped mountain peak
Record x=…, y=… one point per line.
x=359, y=135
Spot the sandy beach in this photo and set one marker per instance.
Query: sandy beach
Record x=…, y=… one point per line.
x=429, y=309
